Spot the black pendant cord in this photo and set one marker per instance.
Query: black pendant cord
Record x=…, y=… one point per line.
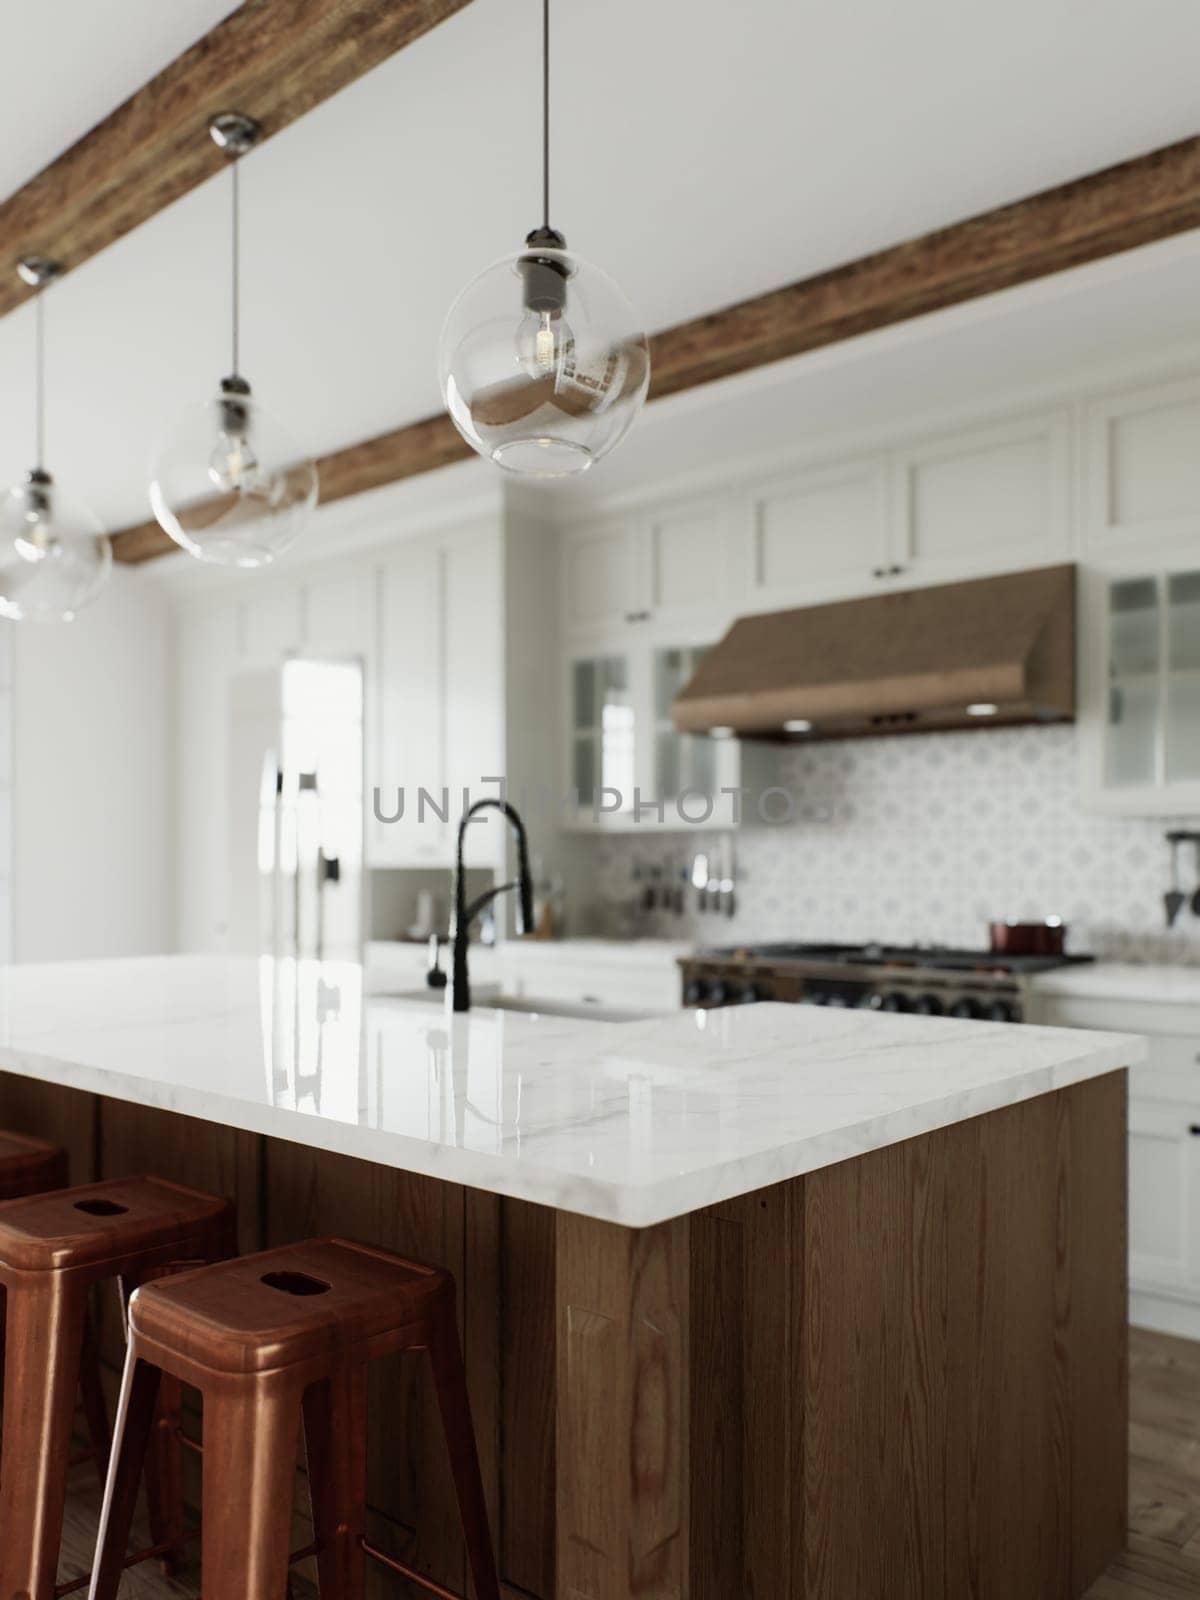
x=236, y=253
x=40, y=383
x=546, y=115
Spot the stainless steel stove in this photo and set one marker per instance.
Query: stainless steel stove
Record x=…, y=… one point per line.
x=930, y=980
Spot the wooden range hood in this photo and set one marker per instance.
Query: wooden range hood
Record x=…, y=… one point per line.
x=905, y=662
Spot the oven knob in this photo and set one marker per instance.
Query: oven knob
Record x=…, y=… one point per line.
x=694, y=992
x=894, y=1002
x=748, y=995
x=929, y=1005
x=718, y=995
x=966, y=1007
x=1002, y=1011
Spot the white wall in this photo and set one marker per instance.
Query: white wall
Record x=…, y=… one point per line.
x=92, y=779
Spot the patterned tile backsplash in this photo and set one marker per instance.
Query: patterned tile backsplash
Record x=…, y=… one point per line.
x=926, y=839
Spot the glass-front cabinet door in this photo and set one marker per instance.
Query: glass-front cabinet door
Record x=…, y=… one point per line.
x=1141, y=722
x=1134, y=733
x=628, y=765
x=1182, y=738
x=603, y=734
x=684, y=763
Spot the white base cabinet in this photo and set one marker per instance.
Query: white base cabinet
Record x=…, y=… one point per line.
x=1164, y=1154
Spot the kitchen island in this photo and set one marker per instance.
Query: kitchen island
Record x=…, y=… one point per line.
x=775, y=1302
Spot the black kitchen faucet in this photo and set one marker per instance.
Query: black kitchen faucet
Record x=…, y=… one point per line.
x=464, y=914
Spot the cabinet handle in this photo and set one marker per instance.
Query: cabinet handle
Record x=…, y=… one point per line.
x=896, y=571
x=637, y=616
x=1194, y=1130
x=879, y=572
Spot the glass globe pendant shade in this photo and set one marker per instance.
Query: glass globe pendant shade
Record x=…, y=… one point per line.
x=54, y=555
x=542, y=363
x=228, y=484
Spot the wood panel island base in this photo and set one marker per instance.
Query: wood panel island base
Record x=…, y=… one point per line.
x=901, y=1376
x=879, y=1355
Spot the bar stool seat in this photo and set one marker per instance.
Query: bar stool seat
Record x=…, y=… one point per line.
x=268, y=1340
x=134, y=1220
x=53, y=1248
x=29, y=1165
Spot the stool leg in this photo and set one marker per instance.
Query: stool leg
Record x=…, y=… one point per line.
x=91, y=1392
x=335, y=1448
x=164, y=1462
x=251, y=1431
x=44, y=1342
x=135, y=1420
x=450, y=1382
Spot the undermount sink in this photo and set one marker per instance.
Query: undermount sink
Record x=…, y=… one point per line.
x=485, y=998
x=532, y=1006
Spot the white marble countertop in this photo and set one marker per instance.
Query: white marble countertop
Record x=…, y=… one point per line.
x=1148, y=983
x=630, y=1122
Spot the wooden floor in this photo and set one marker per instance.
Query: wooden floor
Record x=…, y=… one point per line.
x=1162, y=1561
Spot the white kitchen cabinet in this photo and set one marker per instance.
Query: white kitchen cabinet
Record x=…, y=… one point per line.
x=1143, y=469
x=437, y=728
x=689, y=560
x=1164, y=1150
x=601, y=587
x=404, y=729
x=1139, y=710
x=1164, y=1197
x=629, y=768
x=819, y=533
x=472, y=688
x=656, y=569
x=993, y=499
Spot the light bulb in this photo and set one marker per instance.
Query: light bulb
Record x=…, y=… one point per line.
x=233, y=464
x=543, y=340
x=228, y=484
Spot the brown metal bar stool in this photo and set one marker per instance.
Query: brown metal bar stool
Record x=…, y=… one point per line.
x=53, y=1248
x=32, y=1166
x=29, y=1166
x=267, y=1340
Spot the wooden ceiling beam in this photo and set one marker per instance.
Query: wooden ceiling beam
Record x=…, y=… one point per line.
x=1133, y=204
x=271, y=59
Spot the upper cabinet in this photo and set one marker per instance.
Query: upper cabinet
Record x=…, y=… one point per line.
x=963, y=505
x=688, y=560
x=600, y=575
x=629, y=766
x=1143, y=469
x=1140, y=633
x=1140, y=715
x=662, y=567
x=991, y=500
x=819, y=532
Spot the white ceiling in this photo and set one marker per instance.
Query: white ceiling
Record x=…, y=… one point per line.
x=70, y=62
x=702, y=154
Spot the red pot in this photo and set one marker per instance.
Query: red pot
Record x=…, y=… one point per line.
x=1029, y=938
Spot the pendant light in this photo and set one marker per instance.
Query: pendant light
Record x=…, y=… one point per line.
x=542, y=363
x=227, y=483
x=54, y=555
